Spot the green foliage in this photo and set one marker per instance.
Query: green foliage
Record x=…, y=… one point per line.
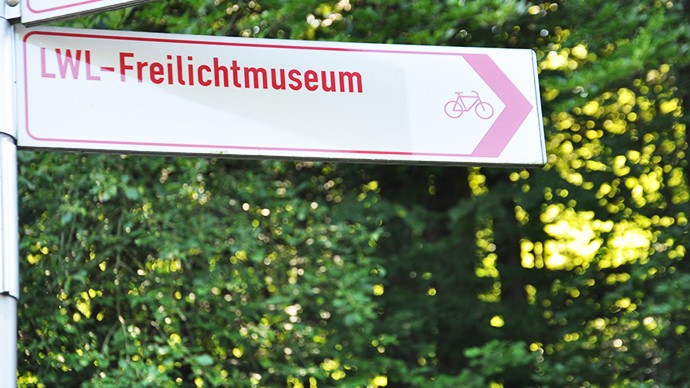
x=491, y=363
x=162, y=271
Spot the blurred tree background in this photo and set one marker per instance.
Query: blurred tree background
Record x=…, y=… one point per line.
x=166, y=271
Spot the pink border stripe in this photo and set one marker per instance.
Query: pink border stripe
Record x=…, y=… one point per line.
x=250, y=148
x=493, y=143
x=28, y=5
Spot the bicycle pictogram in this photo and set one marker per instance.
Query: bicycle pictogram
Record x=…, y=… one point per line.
x=455, y=108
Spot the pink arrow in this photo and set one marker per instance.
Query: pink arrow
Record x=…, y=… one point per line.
x=513, y=115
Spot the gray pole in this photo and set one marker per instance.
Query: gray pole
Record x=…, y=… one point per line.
x=9, y=214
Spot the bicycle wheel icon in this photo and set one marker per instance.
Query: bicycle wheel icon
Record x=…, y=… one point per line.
x=484, y=110
x=453, y=109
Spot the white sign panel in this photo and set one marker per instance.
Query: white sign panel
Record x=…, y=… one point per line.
x=164, y=93
x=34, y=11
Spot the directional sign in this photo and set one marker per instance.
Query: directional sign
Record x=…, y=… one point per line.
x=34, y=11
x=164, y=93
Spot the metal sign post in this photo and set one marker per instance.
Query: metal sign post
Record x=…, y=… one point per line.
x=10, y=262
x=9, y=220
